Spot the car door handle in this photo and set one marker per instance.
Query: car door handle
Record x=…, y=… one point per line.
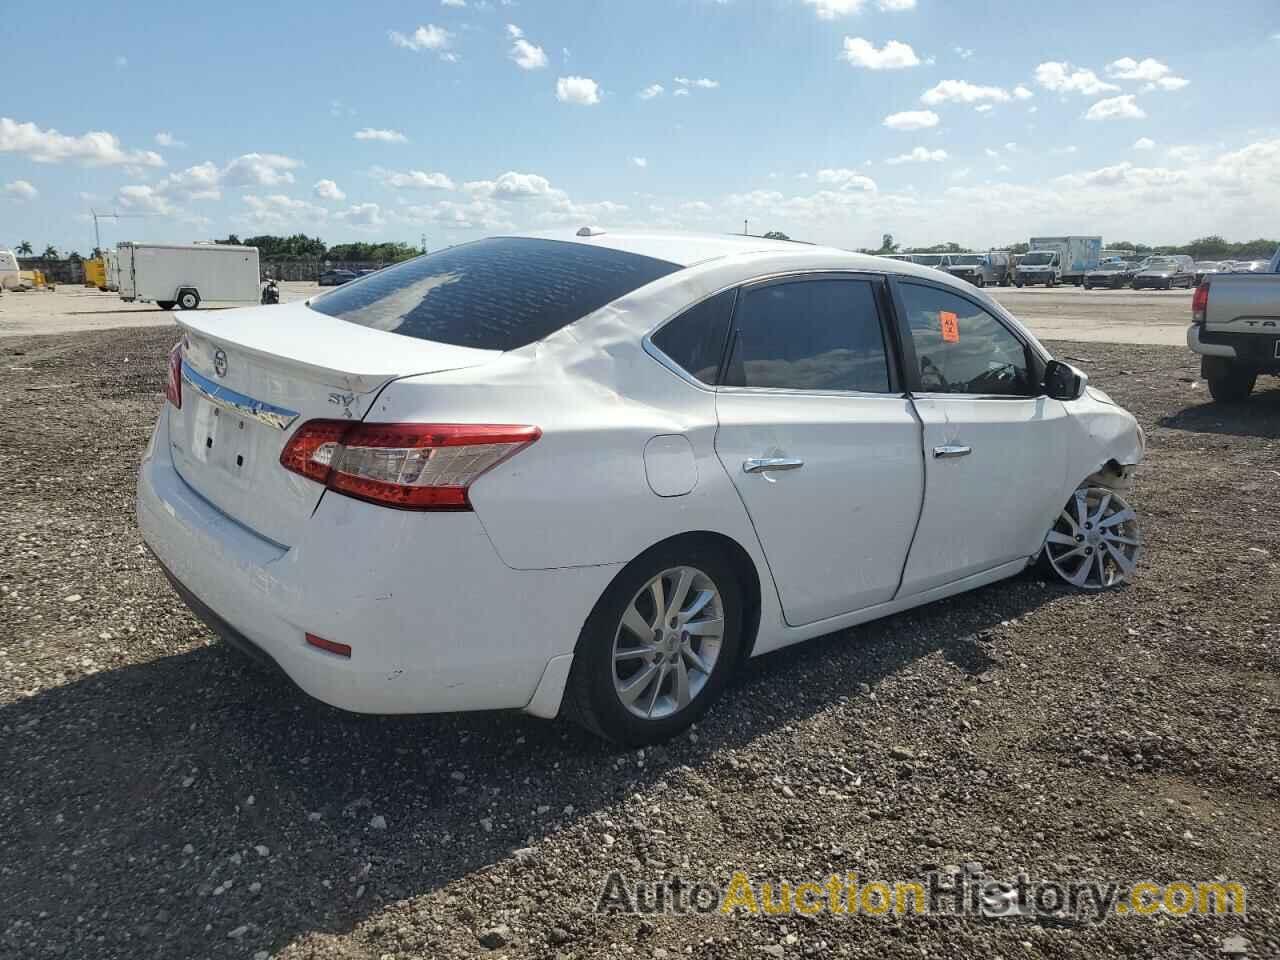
x=950, y=451
x=761, y=464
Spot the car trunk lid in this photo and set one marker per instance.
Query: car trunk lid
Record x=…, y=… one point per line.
x=251, y=377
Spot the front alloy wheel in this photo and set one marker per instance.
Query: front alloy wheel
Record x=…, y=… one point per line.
x=1095, y=542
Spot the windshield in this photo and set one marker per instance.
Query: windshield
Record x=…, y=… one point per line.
x=1207, y=265
x=1160, y=263
x=967, y=260
x=497, y=294
x=1040, y=259
x=929, y=259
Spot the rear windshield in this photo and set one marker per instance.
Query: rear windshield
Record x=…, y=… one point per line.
x=497, y=294
x=966, y=261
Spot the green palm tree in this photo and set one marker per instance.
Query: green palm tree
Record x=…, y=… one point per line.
x=24, y=248
x=50, y=253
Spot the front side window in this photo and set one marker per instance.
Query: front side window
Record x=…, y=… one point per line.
x=961, y=348
x=809, y=335
x=496, y=294
x=695, y=339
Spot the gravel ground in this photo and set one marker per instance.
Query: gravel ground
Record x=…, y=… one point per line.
x=162, y=798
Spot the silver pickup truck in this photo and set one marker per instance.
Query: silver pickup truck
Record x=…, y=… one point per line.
x=1236, y=330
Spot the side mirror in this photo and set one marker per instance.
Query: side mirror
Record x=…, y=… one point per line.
x=1063, y=381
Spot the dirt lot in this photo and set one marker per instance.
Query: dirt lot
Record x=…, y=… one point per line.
x=1114, y=316
x=163, y=799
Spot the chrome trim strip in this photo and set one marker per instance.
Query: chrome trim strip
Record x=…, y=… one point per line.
x=238, y=403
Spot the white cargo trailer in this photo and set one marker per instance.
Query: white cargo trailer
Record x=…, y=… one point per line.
x=187, y=275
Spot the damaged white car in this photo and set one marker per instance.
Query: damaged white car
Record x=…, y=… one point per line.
x=592, y=472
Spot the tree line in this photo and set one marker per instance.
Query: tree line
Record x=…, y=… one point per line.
x=300, y=246
x=1212, y=247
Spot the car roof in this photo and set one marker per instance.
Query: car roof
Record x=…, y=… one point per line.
x=684, y=249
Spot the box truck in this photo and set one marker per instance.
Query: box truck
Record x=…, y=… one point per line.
x=1076, y=256
x=187, y=275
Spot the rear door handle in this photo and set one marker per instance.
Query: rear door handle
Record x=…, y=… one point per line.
x=761, y=464
x=950, y=451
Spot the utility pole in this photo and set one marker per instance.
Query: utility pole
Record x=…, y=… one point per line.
x=744, y=227
x=424, y=243
x=97, y=234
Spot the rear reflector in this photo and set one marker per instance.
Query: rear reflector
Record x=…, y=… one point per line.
x=1200, y=302
x=412, y=466
x=341, y=649
x=173, y=385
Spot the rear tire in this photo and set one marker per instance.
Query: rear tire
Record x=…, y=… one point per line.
x=979, y=281
x=188, y=300
x=611, y=654
x=1228, y=382
x=164, y=304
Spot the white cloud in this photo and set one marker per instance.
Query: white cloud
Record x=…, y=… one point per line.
x=144, y=197
x=640, y=162
x=1022, y=93
x=122, y=61
x=514, y=32
x=843, y=178
x=362, y=215
x=1172, y=83
x=277, y=210
x=198, y=182
x=528, y=56
x=706, y=83
x=682, y=92
x=911, y=120
x=961, y=91
x=895, y=55
x=1144, y=143
x=413, y=179
x=831, y=9
x=983, y=108
x=991, y=153
x=511, y=186
x=453, y=3
x=1062, y=77
x=919, y=155
x=260, y=169
x=964, y=53
x=386, y=136
x=96, y=148
x=1116, y=108
x=428, y=37
x=1011, y=147
x=580, y=90
x=1127, y=68
x=896, y=6
x=651, y=91
x=21, y=190
x=168, y=140
x=328, y=190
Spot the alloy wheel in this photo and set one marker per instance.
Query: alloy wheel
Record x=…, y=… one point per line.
x=1096, y=541
x=666, y=647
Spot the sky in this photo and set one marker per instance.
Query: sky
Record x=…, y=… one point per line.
x=835, y=121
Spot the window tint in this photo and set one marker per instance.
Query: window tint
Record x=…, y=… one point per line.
x=496, y=294
x=963, y=349
x=695, y=339
x=809, y=335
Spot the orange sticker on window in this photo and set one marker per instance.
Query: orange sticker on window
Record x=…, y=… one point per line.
x=950, y=326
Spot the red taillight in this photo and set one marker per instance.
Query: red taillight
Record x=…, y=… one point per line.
x=413, y=466
x=331, y=646
x=173, y=385
x=1200, y=302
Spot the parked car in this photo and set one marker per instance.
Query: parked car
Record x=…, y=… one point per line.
x=335, y=278
x=1236, y=330
x=938, y=261
x=597, y=471
x=1206, y=268
x=981, y=269
x=1039, y=266
x=1112, y=275
x=1165, y=273
x=1251, y=266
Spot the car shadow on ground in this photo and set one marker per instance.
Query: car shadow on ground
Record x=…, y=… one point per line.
x=135, y=797
x=1259, y=416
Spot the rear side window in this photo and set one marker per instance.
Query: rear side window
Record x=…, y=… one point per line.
x=695, y=339
x=809, y=335
x=497, y=294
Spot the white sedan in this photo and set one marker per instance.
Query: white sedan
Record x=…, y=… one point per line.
x=592, y=472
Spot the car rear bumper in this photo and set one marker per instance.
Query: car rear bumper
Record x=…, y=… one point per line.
x=1260, y=351
x=435, y=620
